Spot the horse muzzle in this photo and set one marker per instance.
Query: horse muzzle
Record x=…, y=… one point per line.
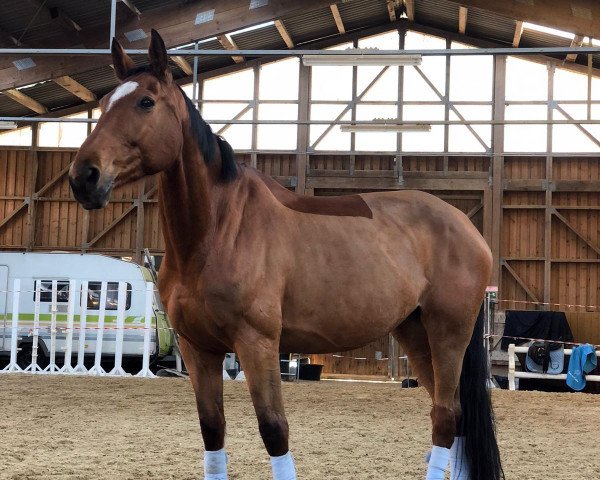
x=89, y=188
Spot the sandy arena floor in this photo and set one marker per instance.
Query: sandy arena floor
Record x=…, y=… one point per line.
x=97, y=428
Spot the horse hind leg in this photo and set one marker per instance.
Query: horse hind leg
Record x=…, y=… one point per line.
x=412, y=337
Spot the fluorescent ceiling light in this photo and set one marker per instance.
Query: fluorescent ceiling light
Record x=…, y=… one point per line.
x=385, y=125
x=358, y=56
x=7, y=125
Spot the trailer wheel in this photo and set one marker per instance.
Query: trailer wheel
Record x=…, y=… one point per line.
x=25, y=356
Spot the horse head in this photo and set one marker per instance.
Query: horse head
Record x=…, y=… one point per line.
x=139, y=132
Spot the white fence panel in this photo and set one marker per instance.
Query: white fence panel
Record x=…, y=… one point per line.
x=33, y=340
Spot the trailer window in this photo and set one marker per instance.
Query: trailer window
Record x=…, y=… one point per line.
x=62, y=291
x=112, y=295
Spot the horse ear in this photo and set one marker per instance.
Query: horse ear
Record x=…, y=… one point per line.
x=159, y=61
x=121, y=61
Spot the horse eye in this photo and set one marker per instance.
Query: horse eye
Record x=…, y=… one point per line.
x=146, y=103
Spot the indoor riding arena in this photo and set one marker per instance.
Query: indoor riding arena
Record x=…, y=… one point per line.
x=375, y=222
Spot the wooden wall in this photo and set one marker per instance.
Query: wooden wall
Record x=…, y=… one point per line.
x=549, y=236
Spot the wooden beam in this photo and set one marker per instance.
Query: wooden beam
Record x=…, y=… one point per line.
x=9, y=40
x=338, y=18
x=462, y=19
x=25, y=100
x=131, y=7
x=518, y=33
x=285, y=35
x=576, y=42
x=176, y=24
x=568, y=224
x=409, y=7
x=391, y=7
x=520, y=281
x=582, y=16
x=73, y=86
x=183, y=64
x=12, y=214
x=112, y=224
x=54, y=14
x=229, y=44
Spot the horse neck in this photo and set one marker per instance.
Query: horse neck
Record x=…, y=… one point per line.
x=186, y=207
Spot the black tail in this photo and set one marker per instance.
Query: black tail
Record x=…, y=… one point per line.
x=477, y=423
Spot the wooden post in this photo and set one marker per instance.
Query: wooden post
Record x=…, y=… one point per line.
x=548, y=199
x=497, y=164
x=139, y=232
x=31, y=207
x=303, y=129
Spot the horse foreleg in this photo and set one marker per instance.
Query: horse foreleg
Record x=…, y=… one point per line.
x=206, y=373
x=260, y=360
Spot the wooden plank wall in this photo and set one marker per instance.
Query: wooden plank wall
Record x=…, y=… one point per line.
x=37, y=212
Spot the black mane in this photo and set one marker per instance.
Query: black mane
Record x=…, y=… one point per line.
x=204, y=135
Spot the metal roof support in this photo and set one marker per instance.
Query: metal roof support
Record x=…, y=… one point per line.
x=286, y=53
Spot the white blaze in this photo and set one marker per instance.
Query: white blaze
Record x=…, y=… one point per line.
x=121, y=91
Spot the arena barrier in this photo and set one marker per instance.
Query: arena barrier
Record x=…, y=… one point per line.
x=512, y=373
x=76, y=335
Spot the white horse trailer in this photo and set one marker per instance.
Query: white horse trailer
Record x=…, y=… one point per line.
x=38, y=272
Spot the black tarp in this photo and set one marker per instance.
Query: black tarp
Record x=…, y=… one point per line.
x=533, y=324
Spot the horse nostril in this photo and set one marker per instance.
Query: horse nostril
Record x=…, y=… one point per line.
x=92, y=175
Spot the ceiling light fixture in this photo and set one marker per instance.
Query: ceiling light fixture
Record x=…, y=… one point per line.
x=361, y=56
x=385, y=125
x=7, y=125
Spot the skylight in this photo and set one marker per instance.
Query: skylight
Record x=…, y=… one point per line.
x=551, y=31
x=254, y=27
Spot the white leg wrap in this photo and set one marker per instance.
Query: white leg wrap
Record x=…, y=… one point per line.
x=283, y=467
x=215, y=465
x=459, y=467
x=438, y=462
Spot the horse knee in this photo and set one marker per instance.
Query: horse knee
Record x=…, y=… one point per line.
x=274, y=431
x=444, y=426
x=213, y=432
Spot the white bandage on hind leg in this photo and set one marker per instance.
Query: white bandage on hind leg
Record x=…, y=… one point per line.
x=438, y=462
x=283, y=467
x=459, y=466
x=215, y=465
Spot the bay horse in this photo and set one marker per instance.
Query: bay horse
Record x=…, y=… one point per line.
x=252, y=268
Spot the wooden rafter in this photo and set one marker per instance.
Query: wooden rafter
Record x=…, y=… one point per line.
x=576, y=42
x=285, y=35
x=391, y=7
x=462, y=19
x=176, y=24
x=518, y=33
x=9, y=40
x=25, y=100
x=131, y=7
x=56, y=14
x=409, y=7
x=76, y=88
x=335, y=11
x=183, y=64
x=229, y=44
x=520, y=281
